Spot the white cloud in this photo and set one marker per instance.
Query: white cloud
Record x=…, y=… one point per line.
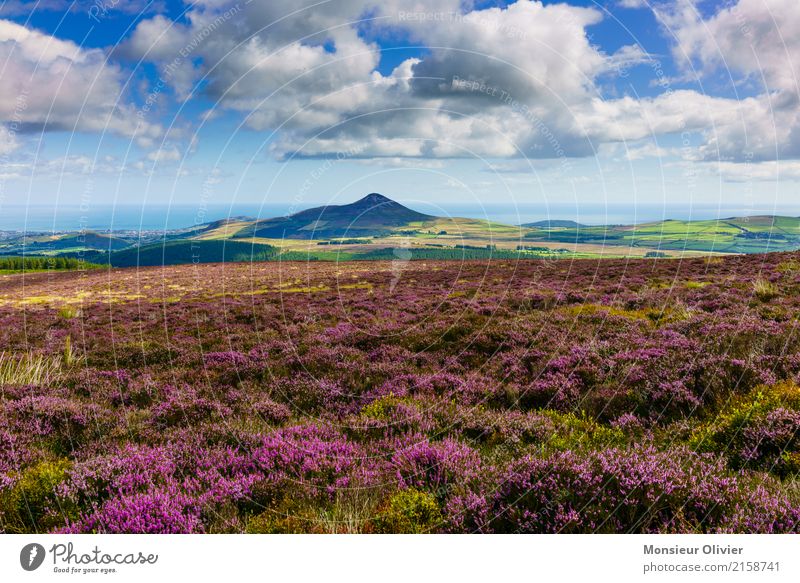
x=312, y=75
x=521, y=81
x=649, y=150
x=632, y=3
x=165, y=154
x=51, y=84
x=770, y=171
x=398, y=162
x=751, y=42
x=8, y=141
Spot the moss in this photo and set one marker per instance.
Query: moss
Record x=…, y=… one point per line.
x=33, y=504
x=695, y=284
x=383, y=408
x=410, y=512
x=724, y=434
x=573, y=431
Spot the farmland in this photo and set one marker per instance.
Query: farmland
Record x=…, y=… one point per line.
x=613, y=395
x=378, y=228
x=734, y=235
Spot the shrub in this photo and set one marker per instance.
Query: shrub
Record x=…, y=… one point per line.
x=272, y=412
x=161, y=511
x=759, y=431
x=617, y=491
x=410, y=512
x=434, y=466
x=33, y=504
x=313, y=461
x=183, y=406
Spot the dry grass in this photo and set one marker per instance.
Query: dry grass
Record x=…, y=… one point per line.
x=69, y=312
x=37, y=369
x=28, y=370
x=765, y=290
x=70, y=357
x=351, y=513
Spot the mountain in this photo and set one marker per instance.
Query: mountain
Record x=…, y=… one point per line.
x=373, y=215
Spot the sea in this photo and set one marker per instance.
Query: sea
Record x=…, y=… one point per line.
x=153, y=217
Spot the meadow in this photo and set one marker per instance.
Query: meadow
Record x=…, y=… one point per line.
x=585, y=396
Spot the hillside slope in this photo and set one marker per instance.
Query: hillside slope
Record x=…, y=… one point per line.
x=373, y=215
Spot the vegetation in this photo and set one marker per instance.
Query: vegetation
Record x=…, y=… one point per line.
x=28, y=369
x=20, y=264
x=736, y=235
x=428, y=396
x=192, y=252
x=377, y=228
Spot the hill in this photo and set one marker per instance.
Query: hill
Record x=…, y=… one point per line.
x=557, y=224
x=63, y=242
x=373, y=215
x=376, y=227
x=733, y=235
x=183, y=252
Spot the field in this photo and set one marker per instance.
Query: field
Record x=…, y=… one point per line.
x=756, y=234
x=643, y=395
x=399, y=234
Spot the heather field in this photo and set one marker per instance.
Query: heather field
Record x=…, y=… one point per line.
x=403, y=396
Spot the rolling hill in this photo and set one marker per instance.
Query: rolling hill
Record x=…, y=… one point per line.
x=192, y=251
x=63, y=242
x=376, y=227
x=757, y=234
x=554, y=224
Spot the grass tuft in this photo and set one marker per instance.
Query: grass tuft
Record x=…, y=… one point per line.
x=28, y=370
x=765, y=290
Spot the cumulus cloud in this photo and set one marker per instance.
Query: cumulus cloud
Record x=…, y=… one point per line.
x=52, y=84
x=496, y=82
x=750, y=43
x=770, y=171
x=166, y=154
x=520, y=81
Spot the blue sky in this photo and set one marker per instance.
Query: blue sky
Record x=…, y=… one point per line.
x=439, y=103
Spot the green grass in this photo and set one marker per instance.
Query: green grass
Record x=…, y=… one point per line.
x=744, y=235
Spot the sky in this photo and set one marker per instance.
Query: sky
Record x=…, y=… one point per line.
x=436, y=103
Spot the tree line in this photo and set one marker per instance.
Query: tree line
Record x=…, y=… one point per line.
x=43, y=263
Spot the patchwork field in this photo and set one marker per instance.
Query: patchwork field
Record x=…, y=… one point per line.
x=378, y=228
x=403, y=396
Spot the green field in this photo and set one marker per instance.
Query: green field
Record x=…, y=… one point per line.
x=430, y=239
x=736, y=235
